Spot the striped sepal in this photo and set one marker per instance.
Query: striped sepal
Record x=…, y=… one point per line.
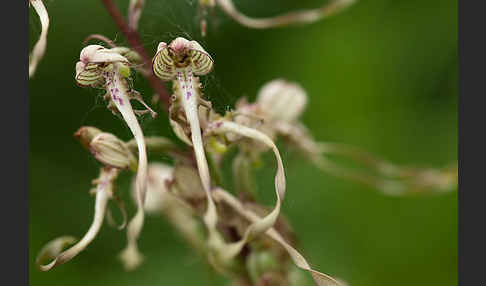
x=163, y=65
x=202, y=63
x=90, y=75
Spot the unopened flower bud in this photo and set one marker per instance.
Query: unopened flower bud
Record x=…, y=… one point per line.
x=207, y=3
x=217, y=145
x=260, y=262
x=113, y=152
x=86, y=134
x=282, y=100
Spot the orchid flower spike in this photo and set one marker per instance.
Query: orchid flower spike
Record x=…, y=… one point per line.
x=97, y=67
x=180, y=61
x=53, y=251
x=298, y=17
x=40, y=47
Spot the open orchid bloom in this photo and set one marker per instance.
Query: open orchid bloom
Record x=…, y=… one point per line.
x=53, y=251
x=180, y=61
x=97, y=67
x=320, y=279
x=39, y=47
x=299, y=17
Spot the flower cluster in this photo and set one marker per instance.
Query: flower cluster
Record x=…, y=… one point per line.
x=239, y=237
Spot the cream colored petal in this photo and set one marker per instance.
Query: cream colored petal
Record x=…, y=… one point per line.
x=107, y=56
x=87, y=52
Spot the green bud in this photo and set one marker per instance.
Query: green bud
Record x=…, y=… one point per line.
x=260, y=262
x=124, y=70
x=217, y=145
x=207, y=3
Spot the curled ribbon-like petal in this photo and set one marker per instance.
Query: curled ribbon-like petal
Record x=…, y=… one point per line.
x=320, y=279
x=53, y=250
x=299, y=17
x=40, y=47
x=263, y=224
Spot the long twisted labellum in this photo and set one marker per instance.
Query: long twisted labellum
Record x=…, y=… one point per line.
x=117, y=87
x=299, y=17
x=320, y=279
x=135, y=12
x=53, y=249
x=40, y=47
x=262, y=224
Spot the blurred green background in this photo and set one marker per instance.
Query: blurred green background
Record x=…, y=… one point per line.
x=382, y=76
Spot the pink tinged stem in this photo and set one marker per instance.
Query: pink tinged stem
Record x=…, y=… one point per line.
x=189, y=99
x=116, y=85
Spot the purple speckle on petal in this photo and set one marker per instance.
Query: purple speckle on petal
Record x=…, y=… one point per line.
x=188, y=95
x=115, y=97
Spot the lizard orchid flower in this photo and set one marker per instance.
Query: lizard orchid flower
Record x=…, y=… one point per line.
x=180, y=61
x=101, y=67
